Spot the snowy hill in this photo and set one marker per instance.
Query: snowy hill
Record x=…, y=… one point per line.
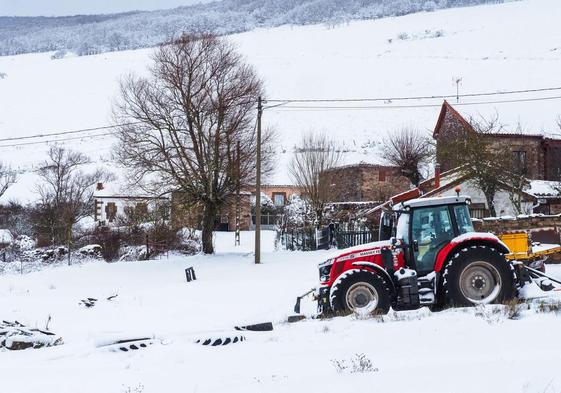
x=415, y=55
x=90, y=34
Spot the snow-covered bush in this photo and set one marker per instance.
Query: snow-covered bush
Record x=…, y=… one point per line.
x=59, y=54
x=429, y=6
x=403, y=36
x=359, y=363
x=24, y=243
x=296, y=212
x=3, y=75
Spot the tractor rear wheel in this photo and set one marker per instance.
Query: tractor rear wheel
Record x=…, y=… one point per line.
x=360, y=291
x=477, y=275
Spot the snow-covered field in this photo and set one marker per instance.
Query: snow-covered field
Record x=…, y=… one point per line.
x=462, y=350
x=510, y=46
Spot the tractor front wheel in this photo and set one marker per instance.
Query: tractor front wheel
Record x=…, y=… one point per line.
x=360, y=291
x=477, y=275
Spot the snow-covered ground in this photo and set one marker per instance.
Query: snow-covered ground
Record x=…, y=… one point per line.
x=463, y=350
x=510, y=46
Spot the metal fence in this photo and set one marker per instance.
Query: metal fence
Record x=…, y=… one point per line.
x=300, y=239
x=346, y=239
x=306, y=239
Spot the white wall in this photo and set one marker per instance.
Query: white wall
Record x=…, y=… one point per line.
x=503, y=206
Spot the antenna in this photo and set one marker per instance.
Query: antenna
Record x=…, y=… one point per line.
x=457, y=81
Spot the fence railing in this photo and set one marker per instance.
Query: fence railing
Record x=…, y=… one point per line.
x=300, y=239
x=306, y=239
x=346, y=239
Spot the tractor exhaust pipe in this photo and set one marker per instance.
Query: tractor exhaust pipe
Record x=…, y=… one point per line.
x=299, y=298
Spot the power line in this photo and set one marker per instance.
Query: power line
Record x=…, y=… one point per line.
x=57, y=140
x=368, y=107
x=443, y=96
x=284, y=105
x=18, y=138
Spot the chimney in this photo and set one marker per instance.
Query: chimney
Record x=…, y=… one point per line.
x=437, y=176
x=99, y=186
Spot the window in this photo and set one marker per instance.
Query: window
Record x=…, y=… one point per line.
x=381, y=175
x=279, y=198
x=431, y=230
x=520, y=162
x=111, y=211
x=463, y=219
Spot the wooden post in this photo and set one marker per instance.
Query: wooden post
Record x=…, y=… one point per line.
x=147, y=248
x=258, y=186
x=238, y=199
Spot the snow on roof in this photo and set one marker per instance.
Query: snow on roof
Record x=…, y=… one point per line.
x=544, y=188
x=116, y=189
x=432, y=201
x=6, y=236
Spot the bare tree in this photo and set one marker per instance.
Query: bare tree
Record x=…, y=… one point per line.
x=409, y=150
x=197, y=104
x=66, y=191
x=482, y=161
x=315, y=154
x=7, y=178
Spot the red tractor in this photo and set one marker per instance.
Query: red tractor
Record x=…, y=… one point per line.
x=432, y=257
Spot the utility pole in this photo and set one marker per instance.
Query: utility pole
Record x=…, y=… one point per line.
x=258, y=186
x=238, y=201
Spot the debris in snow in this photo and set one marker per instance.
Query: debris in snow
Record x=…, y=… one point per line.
x=295, y=318
x=16, y=336
x=90, y=301
x=220, y=341
x=125, y=345
x=258, y=327
x=91, y=250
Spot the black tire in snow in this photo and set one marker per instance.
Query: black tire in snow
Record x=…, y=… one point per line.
x=477, y=275
x=220, y=341
x=360, y=282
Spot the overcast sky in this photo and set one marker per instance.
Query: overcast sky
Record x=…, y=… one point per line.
x=73, y=7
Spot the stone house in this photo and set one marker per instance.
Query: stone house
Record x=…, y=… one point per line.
x=363, y=183
x=185, y=214
x=279, y=194
x=113, y=206
x=537, y=156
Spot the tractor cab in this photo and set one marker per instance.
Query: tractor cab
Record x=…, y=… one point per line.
x=425, y=226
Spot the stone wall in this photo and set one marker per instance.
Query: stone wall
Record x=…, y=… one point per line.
x=190, y=215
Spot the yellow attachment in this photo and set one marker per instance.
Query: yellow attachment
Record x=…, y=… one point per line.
x=520, y=247
x=517, y=243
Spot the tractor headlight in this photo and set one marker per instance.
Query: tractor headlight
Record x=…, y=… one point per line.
x=325, y=270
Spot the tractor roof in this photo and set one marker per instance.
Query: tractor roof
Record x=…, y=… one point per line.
x=421, y=202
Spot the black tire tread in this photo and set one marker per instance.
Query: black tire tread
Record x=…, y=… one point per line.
x=452, y=296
